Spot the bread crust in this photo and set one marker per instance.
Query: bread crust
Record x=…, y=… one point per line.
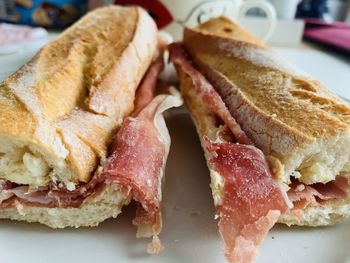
x=277, y=136
x=65, y=104
x=285, y=112
x=328, y=213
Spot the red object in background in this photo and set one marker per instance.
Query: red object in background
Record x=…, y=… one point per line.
x=155, y=8
x=335, y=34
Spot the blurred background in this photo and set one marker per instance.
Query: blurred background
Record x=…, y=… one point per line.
x=314, y=34
x=322, y=21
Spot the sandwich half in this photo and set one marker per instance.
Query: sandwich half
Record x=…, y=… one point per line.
x=276, y=140
x=81, y=125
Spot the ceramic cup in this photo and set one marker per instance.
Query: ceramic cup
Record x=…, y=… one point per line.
x=285, y=9
x=192, y=12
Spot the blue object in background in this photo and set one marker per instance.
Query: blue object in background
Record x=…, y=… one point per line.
x=312, y=9
x=47, y=13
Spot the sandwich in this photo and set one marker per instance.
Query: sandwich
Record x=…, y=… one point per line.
x=81, y=125
x=276, y=140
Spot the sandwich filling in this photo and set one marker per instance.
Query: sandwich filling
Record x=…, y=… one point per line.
x=287, y=114
x=249, y=197
x=60, y=110
x=302, y=195
x=312, y=175
x=248, y=200
x=135, y=164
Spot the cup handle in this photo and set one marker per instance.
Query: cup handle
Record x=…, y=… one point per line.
x=266, y=7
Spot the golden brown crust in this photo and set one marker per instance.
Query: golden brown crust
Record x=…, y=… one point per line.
x=224, y=27
x=269, y=91
x=328, y=213
x=66, y=102
x=294, y=119
x=284, y=111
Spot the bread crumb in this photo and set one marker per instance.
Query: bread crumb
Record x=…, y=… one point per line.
x=20, y=208
x=52, y=212
x=296, y=174
x=300, y=187
x=195, y=213
x=70, y=186
x=155, y=247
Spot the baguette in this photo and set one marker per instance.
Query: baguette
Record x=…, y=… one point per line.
x=81, y=126
x=276, y=141
x=301, y=127
x=59, y=111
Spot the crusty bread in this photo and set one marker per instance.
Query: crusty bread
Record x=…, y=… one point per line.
x=59, y=111
x=93, y=210
x=330, y=212
x=293, y=130
x=206, y=125
x=288, y=115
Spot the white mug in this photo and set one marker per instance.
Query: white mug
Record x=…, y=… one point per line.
x=192, y=12
x=285, y=9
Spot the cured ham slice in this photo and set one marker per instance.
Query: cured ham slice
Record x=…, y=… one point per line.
x=4, y=185
x=136, y=163
x=147, y=89
x=313, y=195
x=139, y=152
x=52, y=197
x=250, y=200
x=207, y=92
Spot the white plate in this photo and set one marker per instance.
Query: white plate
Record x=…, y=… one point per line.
x=190, y=231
